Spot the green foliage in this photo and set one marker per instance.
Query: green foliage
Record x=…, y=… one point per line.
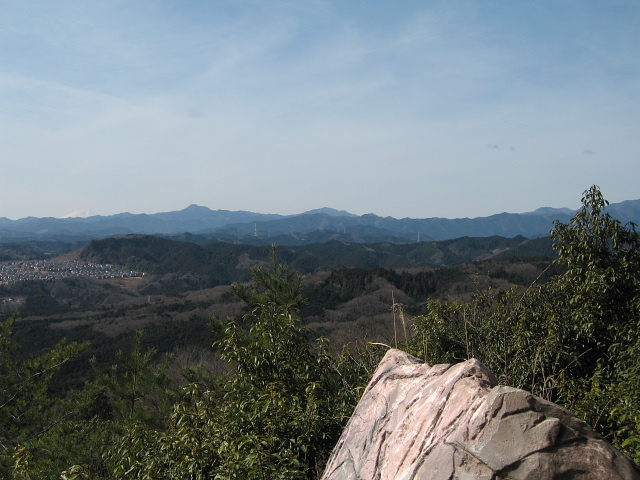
x=138, y=385
x=602, y=281
x=80, y=436
x=276, y=417
x=28, y=412
x=46, y=435
x=602, y=286
x=519, y=335
x=572, y=339
x=276, y=285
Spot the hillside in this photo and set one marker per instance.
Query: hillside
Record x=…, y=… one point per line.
x=195, y=266
x=350, y=289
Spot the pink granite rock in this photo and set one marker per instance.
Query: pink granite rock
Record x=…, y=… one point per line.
x=417, y=421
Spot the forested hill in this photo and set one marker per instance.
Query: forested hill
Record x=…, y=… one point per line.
x=223, y=263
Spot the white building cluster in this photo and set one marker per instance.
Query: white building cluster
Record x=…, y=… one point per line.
x=13, y=272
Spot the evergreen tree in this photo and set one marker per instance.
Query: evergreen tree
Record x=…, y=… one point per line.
x=28, y=412
x=276, y=416
x=275, y=285
x=137, y=384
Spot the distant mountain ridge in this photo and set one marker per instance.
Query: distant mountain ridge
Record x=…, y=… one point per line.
x=317, y=225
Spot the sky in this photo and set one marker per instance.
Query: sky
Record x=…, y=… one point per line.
x=455, y=108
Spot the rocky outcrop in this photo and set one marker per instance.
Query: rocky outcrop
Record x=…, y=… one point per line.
x=417, y=421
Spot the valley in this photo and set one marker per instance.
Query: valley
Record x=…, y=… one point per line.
x=172, y=289
x=222, y=333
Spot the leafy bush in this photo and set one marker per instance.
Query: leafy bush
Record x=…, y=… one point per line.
x=573, y=339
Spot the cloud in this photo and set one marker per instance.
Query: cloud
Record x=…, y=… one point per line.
x=588, y=152
x=196, y=101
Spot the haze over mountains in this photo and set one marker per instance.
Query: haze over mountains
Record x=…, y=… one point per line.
x=318, y=225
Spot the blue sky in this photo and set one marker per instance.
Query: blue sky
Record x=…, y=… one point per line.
x=401, y=108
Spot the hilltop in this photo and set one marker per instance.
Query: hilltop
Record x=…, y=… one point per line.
x=315, y=226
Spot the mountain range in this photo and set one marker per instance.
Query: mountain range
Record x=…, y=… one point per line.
x=315, y=226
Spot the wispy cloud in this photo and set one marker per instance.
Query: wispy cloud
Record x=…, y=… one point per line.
x=209, y=100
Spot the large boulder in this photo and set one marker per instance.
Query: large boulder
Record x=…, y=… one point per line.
x=417, y=421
